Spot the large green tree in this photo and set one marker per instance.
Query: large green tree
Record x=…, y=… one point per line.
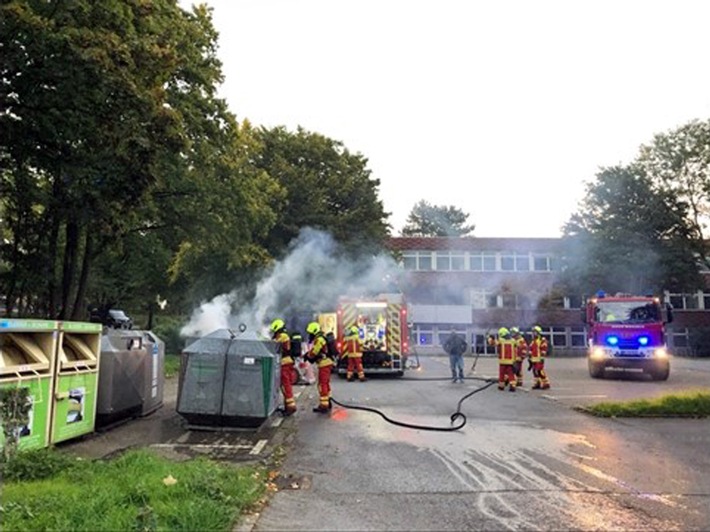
x=628, y=235
x=326, y=187
x=110, y=130
x=678, y=162
x=436, y=220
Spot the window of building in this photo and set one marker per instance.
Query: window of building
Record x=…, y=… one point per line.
x=475, y=262
x=489, y=261
x=685, y=301
x=706, y=301
x=558, y=336
x=409, y=260
x=507, y=262
x=491, y=300
x=541, y=263
x=458, y=262
x=450, y=261
x=573, y=301
x=443, y=261
x=522, y=262
x=479, y=344
x=424, y=260
x=577, y=337
x=424, y=334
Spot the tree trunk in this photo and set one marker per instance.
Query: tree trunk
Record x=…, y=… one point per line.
x=79, y=306
x=68, y=274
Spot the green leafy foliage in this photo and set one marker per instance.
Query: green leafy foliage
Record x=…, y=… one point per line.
x=435, y=220
x=35, y=464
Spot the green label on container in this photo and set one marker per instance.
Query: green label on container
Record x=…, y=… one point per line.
x=28, y=325
x=74, y=406
x=34, y=435
x=81, y=326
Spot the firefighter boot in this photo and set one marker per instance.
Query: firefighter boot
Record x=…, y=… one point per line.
x=320, y=409
x=289, y=411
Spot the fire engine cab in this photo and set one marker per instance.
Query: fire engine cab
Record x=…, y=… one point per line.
x=627, y=332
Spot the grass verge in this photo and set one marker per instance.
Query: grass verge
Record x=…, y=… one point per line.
x=136, y=491
x=687, y=404
x=172, y=365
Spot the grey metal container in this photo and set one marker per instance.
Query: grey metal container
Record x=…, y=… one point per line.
x=228, y=379
x=153, y=391
x=122, y=376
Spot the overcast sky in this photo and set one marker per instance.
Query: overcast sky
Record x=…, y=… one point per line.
x=500, y=108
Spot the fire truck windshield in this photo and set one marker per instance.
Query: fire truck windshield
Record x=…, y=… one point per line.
x=627, y=312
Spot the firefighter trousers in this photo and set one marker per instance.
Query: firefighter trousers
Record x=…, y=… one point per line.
x=288, y=376
x=324, y=386
x=541, y=379
x=355, y=366
x=506, y=375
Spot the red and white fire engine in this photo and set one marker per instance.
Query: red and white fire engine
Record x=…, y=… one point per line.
x=627, y=332
x=383, y=330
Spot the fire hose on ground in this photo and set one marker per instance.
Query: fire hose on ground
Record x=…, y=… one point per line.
x=458, y=415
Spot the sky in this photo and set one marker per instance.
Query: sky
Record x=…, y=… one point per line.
x=501, y=108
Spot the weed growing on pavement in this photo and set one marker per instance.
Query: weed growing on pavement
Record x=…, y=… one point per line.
x=136, y=491
x=172, y=365
x=687, y=404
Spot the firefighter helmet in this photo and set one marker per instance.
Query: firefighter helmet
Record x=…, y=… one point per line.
x=537, y=329
x=313, y=328
x=503, y=331
x=514, y=331
x=277, y=325
x=354, y=330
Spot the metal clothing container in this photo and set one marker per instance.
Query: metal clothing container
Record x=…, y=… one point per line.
x=228, y=379
x=130, y=380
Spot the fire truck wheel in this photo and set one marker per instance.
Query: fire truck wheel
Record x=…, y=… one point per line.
x=660, y=373
x=596, y=371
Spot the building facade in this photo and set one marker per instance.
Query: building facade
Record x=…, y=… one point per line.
x=476, y=285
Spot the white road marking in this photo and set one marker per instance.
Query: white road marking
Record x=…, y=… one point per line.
x=258, y=447
x=203, y=446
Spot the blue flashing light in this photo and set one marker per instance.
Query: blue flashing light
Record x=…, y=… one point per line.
x=643, y=340
x=612, y=340
x=4, y=324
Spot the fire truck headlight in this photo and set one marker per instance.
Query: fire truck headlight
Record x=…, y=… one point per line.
x=660, y=353
x=612, y=340
x=598, y=352
x=643, y=340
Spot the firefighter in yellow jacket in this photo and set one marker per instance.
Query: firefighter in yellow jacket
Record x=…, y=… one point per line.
x=318, y=354
x=288, y=369
x=353, y=351
x=506, y=348
x=538, y=352
x=520, y=354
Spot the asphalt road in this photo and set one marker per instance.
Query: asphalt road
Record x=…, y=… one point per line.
x=523, y=461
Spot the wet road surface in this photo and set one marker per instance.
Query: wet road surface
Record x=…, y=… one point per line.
x=523, y=461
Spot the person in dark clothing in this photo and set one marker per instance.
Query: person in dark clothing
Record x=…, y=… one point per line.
x=455, y=346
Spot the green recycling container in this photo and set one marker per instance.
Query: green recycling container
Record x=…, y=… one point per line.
x=76, y=380
x=27, y=357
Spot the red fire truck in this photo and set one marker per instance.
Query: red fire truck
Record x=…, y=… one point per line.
x=627, y=332
x=383, y=330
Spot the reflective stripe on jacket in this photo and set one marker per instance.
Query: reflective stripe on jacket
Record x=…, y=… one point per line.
x=352, y=347
x=319, y=352
x=506, y=351
x=284, y=342
x=538, y=349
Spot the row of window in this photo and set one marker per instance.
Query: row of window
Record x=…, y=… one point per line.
x=487, y=261
x=435, y=335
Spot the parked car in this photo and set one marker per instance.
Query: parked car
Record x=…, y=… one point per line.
x=113, y=318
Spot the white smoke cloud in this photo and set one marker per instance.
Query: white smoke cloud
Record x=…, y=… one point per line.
x=307, y=281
